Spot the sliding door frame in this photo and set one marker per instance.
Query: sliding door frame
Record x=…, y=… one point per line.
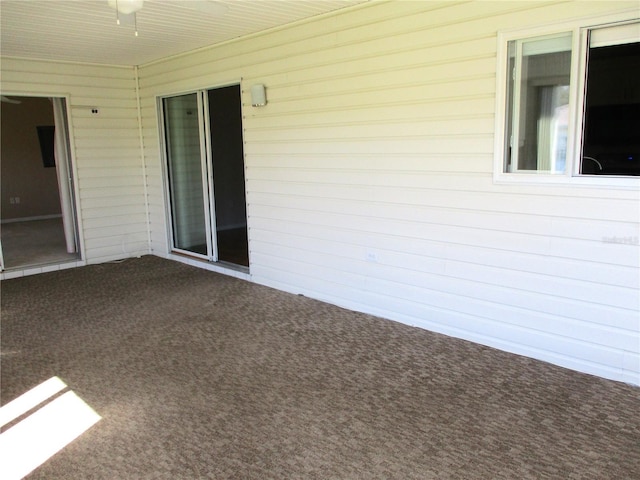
x=207, y=176
x=206, y=159
x=204, y=175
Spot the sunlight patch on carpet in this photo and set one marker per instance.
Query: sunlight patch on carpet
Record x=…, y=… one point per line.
x=33, y=440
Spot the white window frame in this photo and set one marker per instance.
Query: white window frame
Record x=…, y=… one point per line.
x=571, y=176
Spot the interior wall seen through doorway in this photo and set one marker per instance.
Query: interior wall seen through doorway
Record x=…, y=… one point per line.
x=28, y=188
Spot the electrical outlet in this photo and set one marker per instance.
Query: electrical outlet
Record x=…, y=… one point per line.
x=12, y=200
x=371, y=257
x=17, y=199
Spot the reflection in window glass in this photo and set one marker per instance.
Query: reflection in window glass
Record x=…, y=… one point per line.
x=538, y=104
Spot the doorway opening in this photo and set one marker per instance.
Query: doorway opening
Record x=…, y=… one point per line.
x=38, y=223
x=205, y=175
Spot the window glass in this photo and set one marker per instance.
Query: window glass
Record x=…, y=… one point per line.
x=611, y=135
x=538, y=104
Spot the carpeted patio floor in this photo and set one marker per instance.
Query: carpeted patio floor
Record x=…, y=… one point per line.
x=200, y=375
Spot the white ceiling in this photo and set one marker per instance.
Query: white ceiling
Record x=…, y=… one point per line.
x=86, y=30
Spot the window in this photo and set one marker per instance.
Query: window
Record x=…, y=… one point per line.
x=573, y=110
x=538, y=104
x=611, y=135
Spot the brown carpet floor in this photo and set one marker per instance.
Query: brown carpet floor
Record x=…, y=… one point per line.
x=199, y=375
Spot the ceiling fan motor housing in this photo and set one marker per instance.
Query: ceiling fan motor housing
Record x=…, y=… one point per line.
x=126, y=6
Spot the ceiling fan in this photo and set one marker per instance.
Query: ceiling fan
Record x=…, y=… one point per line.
x=127, y=9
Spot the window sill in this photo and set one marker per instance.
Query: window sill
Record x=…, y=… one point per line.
x=597, y=181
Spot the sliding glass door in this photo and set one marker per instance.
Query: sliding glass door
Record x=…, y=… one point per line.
x=205, y=174
x=187, y=173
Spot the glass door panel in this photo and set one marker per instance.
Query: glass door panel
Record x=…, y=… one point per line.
x=185, y=170
x=227, y=156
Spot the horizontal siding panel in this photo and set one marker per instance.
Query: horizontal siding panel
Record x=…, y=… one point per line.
x=159, y=240
x=424, y=173
x=510, y=279
x=423, y=255
x=154, y=171
x=455, y=235
x=156, y=206
x=90, y=99
x=111, y=161
x=428, y=65
x=104, y=134
x=129, y=141
x=116, y=222
x=82, y=95
x=119, y=155
x=33, y=88
x=113, y=202
x=420, y=163
x=467, y=144
x=42, y=67
x=426, y=54
x=109, y=191
x=150, y=133
x=137, y=241
x=377, y=131
x=117, y=125
x=595, y=272
x=405, y=203
x=111, y=85
x=376, y=114
x=106, y=115
x=107, y=211
x=548, y=285
x=90, y=183
x=376, y=180
x=282, y=103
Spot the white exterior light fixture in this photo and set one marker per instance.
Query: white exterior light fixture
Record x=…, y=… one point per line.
x=258, y=95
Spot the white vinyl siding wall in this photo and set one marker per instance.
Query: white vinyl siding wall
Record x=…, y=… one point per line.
x=105, y=148
x=370, y=183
